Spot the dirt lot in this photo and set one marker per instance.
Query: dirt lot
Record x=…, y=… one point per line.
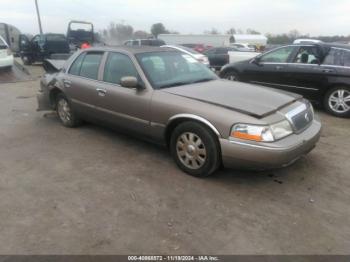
x=92, y=190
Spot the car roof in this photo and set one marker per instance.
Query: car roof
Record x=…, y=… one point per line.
x=132, y=49
x=325, y=45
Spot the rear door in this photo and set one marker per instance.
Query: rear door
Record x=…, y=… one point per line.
x=82, y=86
x=271, y=69
x=306, y=75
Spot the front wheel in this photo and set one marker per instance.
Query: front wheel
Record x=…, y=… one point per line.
x=337, y=101
x=195, y=149
x=231, y=75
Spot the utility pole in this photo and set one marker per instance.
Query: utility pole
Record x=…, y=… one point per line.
x=38, y=14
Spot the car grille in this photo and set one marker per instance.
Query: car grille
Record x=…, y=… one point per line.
x=301, y=117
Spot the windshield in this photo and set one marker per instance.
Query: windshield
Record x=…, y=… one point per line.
x=168, y=69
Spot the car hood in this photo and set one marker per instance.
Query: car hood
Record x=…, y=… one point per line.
x=250, y=99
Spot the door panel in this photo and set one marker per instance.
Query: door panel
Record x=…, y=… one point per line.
x=128, y=108
x=271, y=69
x=306, y=76
x=81, y=83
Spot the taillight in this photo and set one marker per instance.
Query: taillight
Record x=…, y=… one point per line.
x=9, y=52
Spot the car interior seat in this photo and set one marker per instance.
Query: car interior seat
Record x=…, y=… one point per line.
x=304, y=58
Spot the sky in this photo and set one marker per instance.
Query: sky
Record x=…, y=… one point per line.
x=316, y=17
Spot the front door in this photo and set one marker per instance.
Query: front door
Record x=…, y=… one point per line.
x=128, y=108
x=270, y=69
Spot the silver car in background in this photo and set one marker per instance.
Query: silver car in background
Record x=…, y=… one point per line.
x=6, y=56
x=200, y=57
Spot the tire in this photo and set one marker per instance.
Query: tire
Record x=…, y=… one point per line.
x=65, y=113
x=26, y=60
x=337, y=101
x=195, y=149
x=231, y=75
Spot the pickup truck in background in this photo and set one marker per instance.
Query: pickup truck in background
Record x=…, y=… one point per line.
x=80, y=32
x=220, y=56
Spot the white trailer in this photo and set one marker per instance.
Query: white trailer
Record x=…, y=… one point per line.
x=212, y=40
x=11, y=35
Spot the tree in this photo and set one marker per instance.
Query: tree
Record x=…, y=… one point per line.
x=119, y=32
x=252, y=32
x=231, y=31
x=158, y=29
x=294, y=34
x=139, y=34
x=213, y=31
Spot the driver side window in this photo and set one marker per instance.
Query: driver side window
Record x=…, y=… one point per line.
x=280, y=55
x=306, y=55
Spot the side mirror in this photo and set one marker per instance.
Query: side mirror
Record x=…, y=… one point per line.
x=256, y=60
x=129, y=82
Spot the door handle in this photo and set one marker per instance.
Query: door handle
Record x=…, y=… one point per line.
x=101, y=91
x=327, y=70
x=279, y=67
x=67, y=83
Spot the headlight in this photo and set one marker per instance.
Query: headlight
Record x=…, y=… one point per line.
x=9, y=52
x=262, y=133
x=281, y=129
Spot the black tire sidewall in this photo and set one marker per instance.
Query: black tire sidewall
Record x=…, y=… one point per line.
x=326, y=105
x=231, y=73
x=211, y=143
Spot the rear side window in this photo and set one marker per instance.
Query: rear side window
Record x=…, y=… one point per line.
x=117, y=66
x=90, y=65
x=58, y=38
x=75, y=68
x=337, y=57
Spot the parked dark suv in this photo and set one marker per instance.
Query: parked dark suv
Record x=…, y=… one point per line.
x=43, y=47
x=320, y=72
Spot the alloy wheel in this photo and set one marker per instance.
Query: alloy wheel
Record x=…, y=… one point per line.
x=339, y=101
x=64, y=111
x=191, y=150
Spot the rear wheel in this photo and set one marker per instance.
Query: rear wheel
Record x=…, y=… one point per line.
x=231, y=75
x=65, y=112
x=195, y=149
x=337, y=101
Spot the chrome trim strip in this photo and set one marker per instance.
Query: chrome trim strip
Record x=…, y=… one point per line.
x=273, y=84
x=155, y=124
x=261, y=147
x=195, y=117
x=335, y=66
x=295, y=112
